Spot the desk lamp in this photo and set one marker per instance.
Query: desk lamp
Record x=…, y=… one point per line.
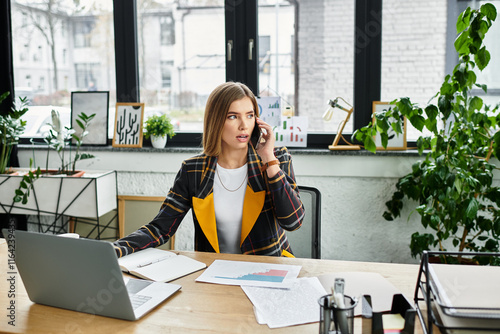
x=327, y=116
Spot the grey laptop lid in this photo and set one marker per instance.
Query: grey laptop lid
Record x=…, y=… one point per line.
x=77, y=274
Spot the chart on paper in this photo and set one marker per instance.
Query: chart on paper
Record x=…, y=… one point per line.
x=271, y=275
x=250, y=273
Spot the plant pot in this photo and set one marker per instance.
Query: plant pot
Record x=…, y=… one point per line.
x=159, y=141
x=90, y=195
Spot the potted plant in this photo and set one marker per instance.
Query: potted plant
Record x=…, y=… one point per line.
x=11, y=127
x=59, y=138
x=158, y=128
x=453, y=185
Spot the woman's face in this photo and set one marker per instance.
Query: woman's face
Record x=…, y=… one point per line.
x=240, y=121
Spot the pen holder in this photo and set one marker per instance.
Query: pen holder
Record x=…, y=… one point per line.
x=336, y=320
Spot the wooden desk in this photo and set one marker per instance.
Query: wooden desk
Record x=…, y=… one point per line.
x=196, y=308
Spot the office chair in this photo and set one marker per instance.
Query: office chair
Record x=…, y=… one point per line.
x=306, y=241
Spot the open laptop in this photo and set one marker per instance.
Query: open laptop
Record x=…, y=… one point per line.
x=83, y=275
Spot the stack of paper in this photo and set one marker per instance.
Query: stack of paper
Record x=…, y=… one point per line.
x=279, y=298
x=467, y=297
x=287, y=307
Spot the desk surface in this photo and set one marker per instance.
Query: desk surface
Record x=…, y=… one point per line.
x=196, y=308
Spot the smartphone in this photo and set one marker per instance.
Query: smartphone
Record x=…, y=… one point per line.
x=256, y=136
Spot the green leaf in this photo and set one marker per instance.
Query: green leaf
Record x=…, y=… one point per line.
x=431, y=111
x=462, y=42
x=483, y=87
x=463, y=20
x=476, y=103
x=384, y=138
x=482, y=58
x=472, y=208
x=418, y=122
x=80, y=124
x=489, y=11
x=496, y=146
x=444, y=105
x=369, y=144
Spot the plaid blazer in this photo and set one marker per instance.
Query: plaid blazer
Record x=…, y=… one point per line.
x=271, y=206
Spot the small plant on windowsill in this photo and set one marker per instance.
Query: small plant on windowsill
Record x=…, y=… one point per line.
x=453, y=186
x=158, y=128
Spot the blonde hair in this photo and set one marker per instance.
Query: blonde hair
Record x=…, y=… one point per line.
x=216, y=110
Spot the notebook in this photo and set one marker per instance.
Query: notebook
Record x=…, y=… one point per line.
x=159, y=265
x=83, y=275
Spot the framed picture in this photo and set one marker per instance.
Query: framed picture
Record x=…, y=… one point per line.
x=91, y=103
x=128, y=125
x=396, y=141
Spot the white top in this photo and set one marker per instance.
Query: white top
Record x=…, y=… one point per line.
x=229, y=194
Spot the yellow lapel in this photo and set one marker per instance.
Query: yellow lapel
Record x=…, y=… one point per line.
x=205, y=213
x=252, y=207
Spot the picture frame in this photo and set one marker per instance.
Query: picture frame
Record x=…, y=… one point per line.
x=395, y=142
x=94, y=102
x=128, y=130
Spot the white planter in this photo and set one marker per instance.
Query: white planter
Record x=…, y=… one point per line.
x=159, y=141
x=90, y=196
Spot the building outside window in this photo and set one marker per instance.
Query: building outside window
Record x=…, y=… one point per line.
x=76, y=47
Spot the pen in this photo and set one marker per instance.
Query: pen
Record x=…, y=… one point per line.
x=338, y=298
x=147, y=264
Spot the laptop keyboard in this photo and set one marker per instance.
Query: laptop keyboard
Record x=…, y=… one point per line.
x=138, y=300
x=134, y=286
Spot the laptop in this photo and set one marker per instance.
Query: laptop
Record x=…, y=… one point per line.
x=83, y=275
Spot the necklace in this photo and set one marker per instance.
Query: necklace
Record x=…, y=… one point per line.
x=244, y=179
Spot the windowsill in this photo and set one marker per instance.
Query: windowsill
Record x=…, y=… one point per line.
x=196, y=150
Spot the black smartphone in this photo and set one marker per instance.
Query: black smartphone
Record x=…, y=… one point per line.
x=256, y=136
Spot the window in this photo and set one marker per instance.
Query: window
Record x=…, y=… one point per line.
x=179, y=67
x=74, y=49
x=325, y=61
x=86, y=75
x=166, y=74
x=414, y=48
x=82, y=31
x=167, y=29
x=418, y=51
x=490, y=75
x=307, y=52
x=276, y=26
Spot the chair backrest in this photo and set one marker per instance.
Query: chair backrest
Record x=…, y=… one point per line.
x=306, y=241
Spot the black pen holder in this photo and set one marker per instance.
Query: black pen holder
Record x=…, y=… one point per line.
x=336, y=320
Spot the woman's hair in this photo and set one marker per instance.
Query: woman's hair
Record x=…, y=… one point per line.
x=216, y=111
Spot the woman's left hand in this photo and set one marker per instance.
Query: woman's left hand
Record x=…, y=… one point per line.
x=266, y=147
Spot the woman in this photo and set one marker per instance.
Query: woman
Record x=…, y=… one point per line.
x=229, y=217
